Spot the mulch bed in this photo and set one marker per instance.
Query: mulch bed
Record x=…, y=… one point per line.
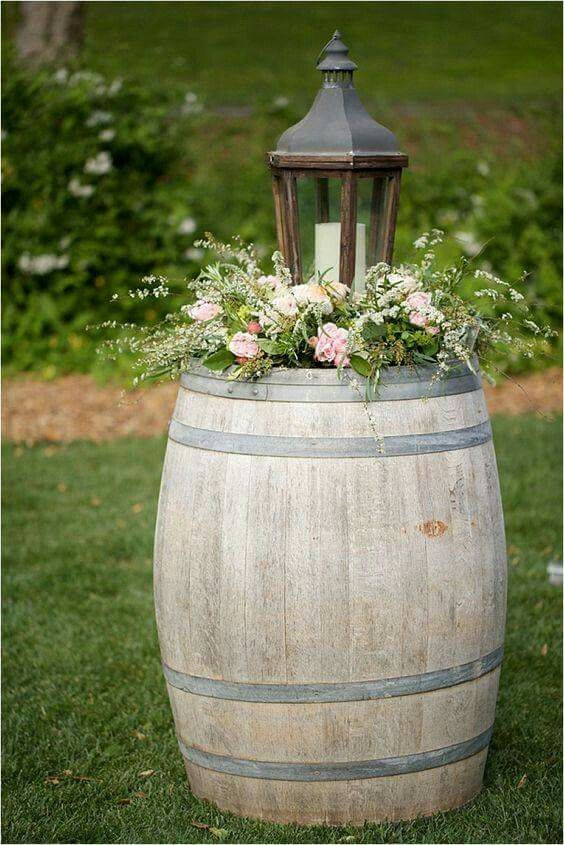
x=76, y=408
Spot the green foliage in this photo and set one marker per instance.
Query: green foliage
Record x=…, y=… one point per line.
x=361, y=365
x=219, y=361
x=82, y=682
x=73, y=237
x=505, y=214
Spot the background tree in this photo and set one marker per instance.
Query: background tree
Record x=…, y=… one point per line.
x=50, y=31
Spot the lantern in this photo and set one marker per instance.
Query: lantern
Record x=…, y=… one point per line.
x=336, y=182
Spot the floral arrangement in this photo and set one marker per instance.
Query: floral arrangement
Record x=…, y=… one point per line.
x=235, y=317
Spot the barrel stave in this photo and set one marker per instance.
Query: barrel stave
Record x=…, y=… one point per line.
x=396, y=588
x=339, y=731
x=330, y=419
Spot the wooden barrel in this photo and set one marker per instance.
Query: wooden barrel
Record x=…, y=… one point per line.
x=330, y=593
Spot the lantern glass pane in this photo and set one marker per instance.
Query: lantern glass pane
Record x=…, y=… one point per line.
x=377, y=209
x=319, y=204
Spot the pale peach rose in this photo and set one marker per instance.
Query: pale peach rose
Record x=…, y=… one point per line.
x=253, y=327
x=244, y=345
x=285, y=303
x=203, y=310
x=403, y=281
x=316, y=294
x=338, y=291
x=331, y=345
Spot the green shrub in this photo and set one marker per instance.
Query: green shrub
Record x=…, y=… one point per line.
x=506, y=215
x=94, y=197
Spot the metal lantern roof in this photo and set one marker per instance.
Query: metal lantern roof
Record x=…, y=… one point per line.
x=337, y=123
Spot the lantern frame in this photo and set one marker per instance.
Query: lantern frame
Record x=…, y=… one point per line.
x=336, y=120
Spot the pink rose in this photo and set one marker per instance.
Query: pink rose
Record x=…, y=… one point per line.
x=418, y=319
x=203, y=310
x=418, y=301
x=432, y=330
x=253, y=327
x=331, y=345
x=244, y=345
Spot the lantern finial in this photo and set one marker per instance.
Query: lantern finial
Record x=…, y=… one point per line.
x=336, y=55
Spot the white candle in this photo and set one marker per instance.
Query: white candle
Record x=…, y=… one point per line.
x=327, y=249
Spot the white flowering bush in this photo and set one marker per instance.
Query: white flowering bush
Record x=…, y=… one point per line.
x=237, y=318
x=94, y=194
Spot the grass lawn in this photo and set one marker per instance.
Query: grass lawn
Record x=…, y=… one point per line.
x=241, y=52
x=83, y=692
